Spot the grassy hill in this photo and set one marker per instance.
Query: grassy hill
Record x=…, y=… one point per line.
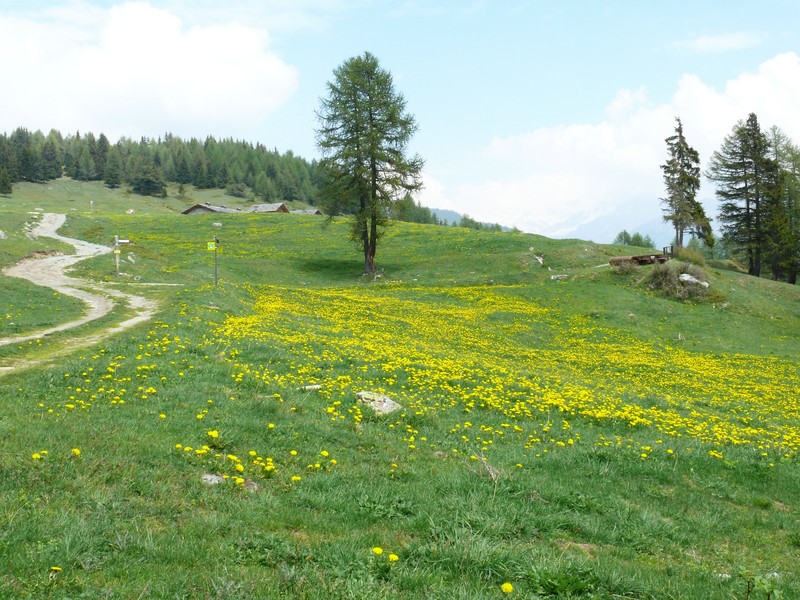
x=579, y=437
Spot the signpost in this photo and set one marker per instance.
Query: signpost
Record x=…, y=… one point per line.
x=215, y=247
x=117, y=250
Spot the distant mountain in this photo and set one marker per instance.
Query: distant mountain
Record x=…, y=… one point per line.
x=604, y=229
x=448, y=217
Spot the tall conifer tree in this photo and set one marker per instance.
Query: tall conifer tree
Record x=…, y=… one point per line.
x=746, y=179
x=364, y=131
x=682, y=182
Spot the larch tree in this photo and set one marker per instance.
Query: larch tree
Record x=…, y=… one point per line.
x=682, y=182
x=363, y=135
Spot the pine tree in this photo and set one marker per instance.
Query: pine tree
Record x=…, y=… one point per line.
x=746, y=178
x=148, y=182
x=682, y=182
x=86, y=168
x=8, y=158
x=103, y=148
x=623, y=237
x=113, y=174
x=183, y=173
x=51, y=160
x=782, y=214
x=89, y=169
x=6, y=186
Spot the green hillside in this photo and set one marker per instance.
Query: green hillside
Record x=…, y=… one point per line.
x=575, y=437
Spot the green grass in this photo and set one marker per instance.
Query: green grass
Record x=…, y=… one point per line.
x=557, y=435
x=26, y=308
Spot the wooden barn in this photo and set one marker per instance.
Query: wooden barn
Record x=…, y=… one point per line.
x=279, y=207
x=205, y=209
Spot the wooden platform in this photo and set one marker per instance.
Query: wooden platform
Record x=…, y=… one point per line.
x=639, y=259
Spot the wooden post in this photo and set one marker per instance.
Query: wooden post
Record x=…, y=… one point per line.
x=216, y=250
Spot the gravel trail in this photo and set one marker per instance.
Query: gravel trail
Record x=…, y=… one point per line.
x=51, y=271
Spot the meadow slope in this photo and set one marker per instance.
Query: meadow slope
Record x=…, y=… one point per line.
x=574, y=438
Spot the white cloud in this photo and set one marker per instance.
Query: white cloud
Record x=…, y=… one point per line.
x=721, y=43
x=134, y=69
x=553, y=180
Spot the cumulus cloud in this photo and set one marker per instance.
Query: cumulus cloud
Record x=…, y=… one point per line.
x=555, y=180
x=134, y=69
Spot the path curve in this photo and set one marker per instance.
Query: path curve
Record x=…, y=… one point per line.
x=50, y=271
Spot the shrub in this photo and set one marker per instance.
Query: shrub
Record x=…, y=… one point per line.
x=627, y=267
x=690, y=255
x=665, y=278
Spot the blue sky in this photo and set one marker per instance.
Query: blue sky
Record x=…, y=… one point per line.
x=550, y=116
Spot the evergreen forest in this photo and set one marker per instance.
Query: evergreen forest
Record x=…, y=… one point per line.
x=244, y=170
x=147, y=165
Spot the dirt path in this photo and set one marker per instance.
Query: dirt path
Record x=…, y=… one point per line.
x=50, y=271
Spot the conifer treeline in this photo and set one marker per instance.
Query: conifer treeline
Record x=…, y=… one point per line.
x=148, y=164
x=241, y=168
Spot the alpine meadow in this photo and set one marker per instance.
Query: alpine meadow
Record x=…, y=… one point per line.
x=585, y=436
x=211, y=390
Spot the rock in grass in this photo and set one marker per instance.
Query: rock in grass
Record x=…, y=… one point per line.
x=686, y=278
x=212, y=479
x=378, y=402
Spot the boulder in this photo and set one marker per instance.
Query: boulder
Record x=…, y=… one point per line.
x=380, y=403
x=690, y=279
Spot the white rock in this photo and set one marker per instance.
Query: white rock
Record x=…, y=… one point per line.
x=212, y=479
x=378, y=402
x=686, y=278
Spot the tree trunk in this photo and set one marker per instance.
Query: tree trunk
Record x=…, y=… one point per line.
x=757, y=261
x=369, y=260
x=372, y=242
x=371, y=226
x=369, y=265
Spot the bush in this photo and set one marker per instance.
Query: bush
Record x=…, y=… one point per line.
x=665, y=278
x=627, y=267
x=690, y=255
